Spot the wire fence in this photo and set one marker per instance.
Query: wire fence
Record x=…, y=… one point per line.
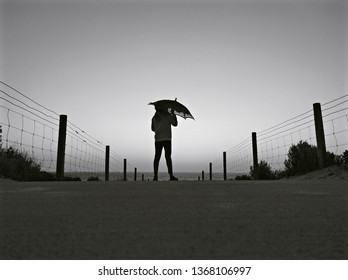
x=335, y=119
x=33, y=129
x=273, y=143
x=28, y=127
x=238, y=160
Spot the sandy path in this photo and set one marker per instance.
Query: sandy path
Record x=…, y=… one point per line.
x=174, y=220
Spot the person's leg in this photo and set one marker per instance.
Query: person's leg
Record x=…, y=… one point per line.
x=158, y=153
x=168, y=155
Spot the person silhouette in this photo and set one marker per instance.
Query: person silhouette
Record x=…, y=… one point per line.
x=161, y=124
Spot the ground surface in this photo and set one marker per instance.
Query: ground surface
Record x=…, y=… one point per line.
x=300, y=219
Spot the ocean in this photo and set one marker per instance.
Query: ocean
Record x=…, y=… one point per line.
x=146, y=176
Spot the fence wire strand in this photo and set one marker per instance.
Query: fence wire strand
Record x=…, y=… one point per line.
x=273, y=143
x=32, y=128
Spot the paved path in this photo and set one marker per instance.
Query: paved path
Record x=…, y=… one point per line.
x=174, y=220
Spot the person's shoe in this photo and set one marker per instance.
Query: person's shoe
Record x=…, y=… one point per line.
x=155, y=178
x=172, y=178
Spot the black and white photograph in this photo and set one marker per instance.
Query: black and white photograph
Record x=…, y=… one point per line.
x=174, y=130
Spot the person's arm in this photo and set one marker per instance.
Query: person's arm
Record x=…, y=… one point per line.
x=152, y=125
x=173, y=120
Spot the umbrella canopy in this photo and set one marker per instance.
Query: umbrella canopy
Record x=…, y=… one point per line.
x=176, y=107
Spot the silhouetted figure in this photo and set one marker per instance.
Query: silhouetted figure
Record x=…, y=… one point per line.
x=162, y=123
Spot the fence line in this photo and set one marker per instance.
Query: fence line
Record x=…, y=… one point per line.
x=274, y=142
x=273, y=145
x=239, y=158
x=33, y=128
x=28, y=98
x=28, y=130
x=336, y=117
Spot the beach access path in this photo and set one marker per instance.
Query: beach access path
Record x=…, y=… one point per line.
x=299, y=219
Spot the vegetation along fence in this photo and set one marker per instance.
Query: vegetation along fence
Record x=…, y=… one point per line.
x=59, y=146
x=324, y=126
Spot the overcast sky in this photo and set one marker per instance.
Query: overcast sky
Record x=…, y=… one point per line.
x=239, y=66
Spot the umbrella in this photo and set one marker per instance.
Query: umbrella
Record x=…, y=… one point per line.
x=176, y=107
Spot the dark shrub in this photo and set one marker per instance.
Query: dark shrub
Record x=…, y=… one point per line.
x=264, y=171
x=243, y=177
x=342, y=160
x=17, y=165
x=93, y=178
x=302, y=158
x=345, y=157
x=330, y=159
x=68, y=178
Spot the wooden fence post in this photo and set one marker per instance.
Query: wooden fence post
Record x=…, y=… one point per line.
x=63, y=119
x=210, y=171
x=107, y=162
x=0, y=136
x=255, y=159
x=224, y=165
x=125, y=169
x=319, y=132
